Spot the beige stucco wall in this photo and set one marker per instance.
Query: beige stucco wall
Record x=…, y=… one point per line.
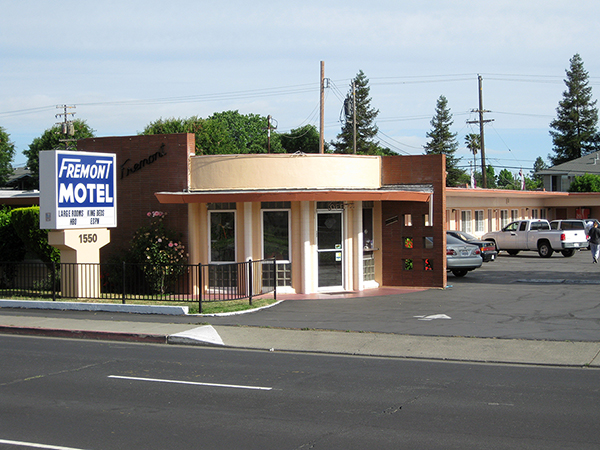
x=283, y=171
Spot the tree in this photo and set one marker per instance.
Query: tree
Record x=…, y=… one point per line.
x=574, y=131
x=305, y=139
x=473, y=142
x=536, y=181
x=490, y=177
x=248, y=133
x=506, y=180
x=443, y=142
x=7, y=153
x=50, y=140
x=366, y=129
x=227, y=132
x=585, y=183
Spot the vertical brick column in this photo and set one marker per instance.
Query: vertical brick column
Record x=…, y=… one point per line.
x=145, y=165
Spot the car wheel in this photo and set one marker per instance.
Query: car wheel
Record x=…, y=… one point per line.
x=544, y=250
x=459, y=273
x=568, y=253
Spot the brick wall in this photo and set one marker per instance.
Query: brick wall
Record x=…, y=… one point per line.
x=406, y=260
x=145, y=165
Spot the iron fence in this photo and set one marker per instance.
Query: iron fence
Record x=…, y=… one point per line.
x=131, y=281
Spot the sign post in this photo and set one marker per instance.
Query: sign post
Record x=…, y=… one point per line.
x=78, y=205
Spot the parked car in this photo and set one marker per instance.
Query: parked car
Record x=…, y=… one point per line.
x=461, y=257
x=574, y=224
x=535, y=234
x=569, y=224
x=487, y=248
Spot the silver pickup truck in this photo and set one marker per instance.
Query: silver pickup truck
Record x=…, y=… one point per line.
x=535, y=234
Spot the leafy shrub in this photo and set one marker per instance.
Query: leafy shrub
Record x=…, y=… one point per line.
x=160, y=252
x=26, y=223
x=12, y=247
x=585, y=183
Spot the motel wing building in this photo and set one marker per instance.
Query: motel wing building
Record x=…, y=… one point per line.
x=331, y=222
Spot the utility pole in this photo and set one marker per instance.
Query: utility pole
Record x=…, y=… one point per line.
x=322, y=118
x=354, y=113
x=481, y=123
x=269, y=134
x=67, y=126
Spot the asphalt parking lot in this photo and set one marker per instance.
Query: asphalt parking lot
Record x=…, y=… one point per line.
x=517, y=297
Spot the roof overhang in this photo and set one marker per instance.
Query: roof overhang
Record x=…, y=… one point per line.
x=293, y=195
x=501, y=193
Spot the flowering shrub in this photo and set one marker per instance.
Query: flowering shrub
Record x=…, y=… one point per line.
x=160, y=251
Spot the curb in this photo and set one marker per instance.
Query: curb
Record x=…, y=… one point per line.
x=104, y=307
x=83, y=334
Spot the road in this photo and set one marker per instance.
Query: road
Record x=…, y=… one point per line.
x=106, y=396
x=520, y=297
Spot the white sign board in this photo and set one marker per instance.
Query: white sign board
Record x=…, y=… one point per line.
x=77, y=190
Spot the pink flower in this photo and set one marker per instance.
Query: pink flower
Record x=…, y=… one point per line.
x=170, y=244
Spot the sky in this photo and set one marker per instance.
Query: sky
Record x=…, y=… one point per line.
x=124, y=64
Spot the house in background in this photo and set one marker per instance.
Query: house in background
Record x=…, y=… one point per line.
x=558, y=178
x=20, y=179
x=17, y=192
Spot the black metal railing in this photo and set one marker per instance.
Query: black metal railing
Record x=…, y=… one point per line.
x=130, y=281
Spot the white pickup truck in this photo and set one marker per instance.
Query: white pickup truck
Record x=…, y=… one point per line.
x=535, y=234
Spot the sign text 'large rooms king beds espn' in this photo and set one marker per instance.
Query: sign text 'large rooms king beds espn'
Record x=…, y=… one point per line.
x=77, y=190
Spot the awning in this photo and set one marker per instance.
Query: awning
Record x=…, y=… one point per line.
x=320, y=195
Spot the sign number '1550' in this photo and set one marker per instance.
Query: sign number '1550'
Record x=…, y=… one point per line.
x=88, y=238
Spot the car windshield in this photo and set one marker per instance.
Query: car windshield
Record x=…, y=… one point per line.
x=464, y=236
x=453, y=241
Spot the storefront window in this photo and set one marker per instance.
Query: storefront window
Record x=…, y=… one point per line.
x=368, y=242
x=276, y=244
x=276, y=235
x=222, y=236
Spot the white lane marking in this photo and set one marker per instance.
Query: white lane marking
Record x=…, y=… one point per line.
x=35, y=445
x=433, y=316
x=195, y=383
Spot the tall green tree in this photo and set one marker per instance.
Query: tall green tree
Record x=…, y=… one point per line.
x=359, y=98
x=51, y=140
x=7, y=153
x=443, y=142
x=574, y=131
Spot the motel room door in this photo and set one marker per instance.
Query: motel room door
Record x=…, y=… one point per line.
x=330, y=250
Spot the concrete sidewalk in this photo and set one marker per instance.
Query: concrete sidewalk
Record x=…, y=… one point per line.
x=514, y=351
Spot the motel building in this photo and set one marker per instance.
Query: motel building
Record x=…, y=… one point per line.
x=333, y=223
x=478, y=211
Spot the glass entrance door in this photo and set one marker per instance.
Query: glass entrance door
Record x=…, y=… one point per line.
x=329, y=248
